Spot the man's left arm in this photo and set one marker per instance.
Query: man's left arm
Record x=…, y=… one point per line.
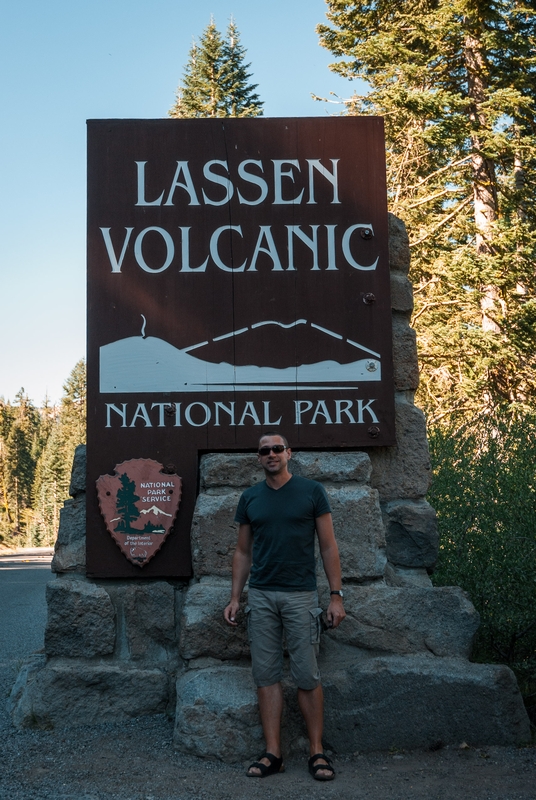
x=332, y=567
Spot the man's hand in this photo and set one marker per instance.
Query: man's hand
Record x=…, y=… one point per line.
x=241, y=567
x=335, y=613
x=230, y=612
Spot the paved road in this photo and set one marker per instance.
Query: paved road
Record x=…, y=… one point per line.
x=23, y=578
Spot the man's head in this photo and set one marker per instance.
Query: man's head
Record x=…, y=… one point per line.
x=273, y=453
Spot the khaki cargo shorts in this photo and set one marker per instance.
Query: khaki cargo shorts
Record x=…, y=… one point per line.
x=268, y=615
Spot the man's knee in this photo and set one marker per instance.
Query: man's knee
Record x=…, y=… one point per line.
x=308, y=686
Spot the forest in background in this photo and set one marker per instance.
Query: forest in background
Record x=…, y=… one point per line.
x=455, y=82
x=36, y=453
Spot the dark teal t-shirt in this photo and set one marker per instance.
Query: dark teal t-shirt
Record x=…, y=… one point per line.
x=283, y=525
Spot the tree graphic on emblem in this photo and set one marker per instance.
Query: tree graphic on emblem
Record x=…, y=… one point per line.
x=126, y=504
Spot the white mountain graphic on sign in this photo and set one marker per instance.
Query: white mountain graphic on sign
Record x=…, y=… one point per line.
x=154, y=510
x=150, y=364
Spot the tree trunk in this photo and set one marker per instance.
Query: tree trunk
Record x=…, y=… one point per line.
x=484, y=178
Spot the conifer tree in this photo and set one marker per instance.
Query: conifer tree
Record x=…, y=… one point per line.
x=455, y=82
x=36, y=455
x=216, y=79
x=19, y=450
x=241, y=100
x=73, y=409
x=53, y=471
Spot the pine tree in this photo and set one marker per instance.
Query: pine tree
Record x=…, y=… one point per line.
x=73, y=409
x=126, y=504
x=36, y=454
x=216, y=79
x=241, y=99
x=50, y=488
x=19, y=450
x=53, y=471
x=455, y=82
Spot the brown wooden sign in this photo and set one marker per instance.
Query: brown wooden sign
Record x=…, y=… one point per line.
x=139, y=504
x=238, y=281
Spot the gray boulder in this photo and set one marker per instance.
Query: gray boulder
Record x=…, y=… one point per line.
x=401, y=293
x=204, y=632
x=71, y=693
x=70, y=546
x=412, y=577
x=232, y=470
x=399, y=252
x=33, y=664
x=149, y=627
x=359, y=531
x=81, y=620
x=403, y=471
x=214, y=534
x=390, y=620
x=405, y=363
x=217, y=714
x=332, y=467
x=411, y=533
x=78, y=472
x=419, y=701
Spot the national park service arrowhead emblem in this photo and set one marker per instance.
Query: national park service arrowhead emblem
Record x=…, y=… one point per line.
x=139, y=504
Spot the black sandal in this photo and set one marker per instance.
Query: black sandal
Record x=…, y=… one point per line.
x=276, y=765
x=314, y=769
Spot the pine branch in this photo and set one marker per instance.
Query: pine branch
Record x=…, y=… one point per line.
x=443, y=222
x=430, y=305
x=440, y=171
x=432, y=197
x=423, y=287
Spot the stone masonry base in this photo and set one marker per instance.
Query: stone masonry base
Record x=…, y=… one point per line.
x=395, y=674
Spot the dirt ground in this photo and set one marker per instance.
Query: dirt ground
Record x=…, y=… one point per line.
x=136, y=761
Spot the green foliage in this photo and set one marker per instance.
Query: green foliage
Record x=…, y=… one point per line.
x=19, y=450
x=36, y=453
x=484, y=491
x=53, y=471
x=456, y=82
x=216, y=79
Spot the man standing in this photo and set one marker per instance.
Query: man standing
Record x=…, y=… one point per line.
x=278, y=519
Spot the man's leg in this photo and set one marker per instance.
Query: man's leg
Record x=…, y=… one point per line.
x=301, y=619
x=271, y=708
x=265, y=635
x=311, y=702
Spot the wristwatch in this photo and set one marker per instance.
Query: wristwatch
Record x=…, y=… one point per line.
x=337, y=591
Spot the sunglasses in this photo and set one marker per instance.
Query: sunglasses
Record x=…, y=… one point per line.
x=276, y=448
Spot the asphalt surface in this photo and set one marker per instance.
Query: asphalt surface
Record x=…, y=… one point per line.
x=23, y=578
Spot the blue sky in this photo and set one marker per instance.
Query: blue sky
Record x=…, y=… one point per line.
x=64, y=62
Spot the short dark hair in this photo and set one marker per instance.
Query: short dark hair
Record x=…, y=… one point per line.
x=273, y=433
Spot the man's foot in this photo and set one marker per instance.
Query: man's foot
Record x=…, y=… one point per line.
x=320, y=767
x=268, y=764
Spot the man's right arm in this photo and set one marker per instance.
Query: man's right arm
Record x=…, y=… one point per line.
x=241, y=567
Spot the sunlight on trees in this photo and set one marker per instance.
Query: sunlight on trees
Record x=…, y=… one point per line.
x=456, y=85
x=36, y=454
x=216, y=79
